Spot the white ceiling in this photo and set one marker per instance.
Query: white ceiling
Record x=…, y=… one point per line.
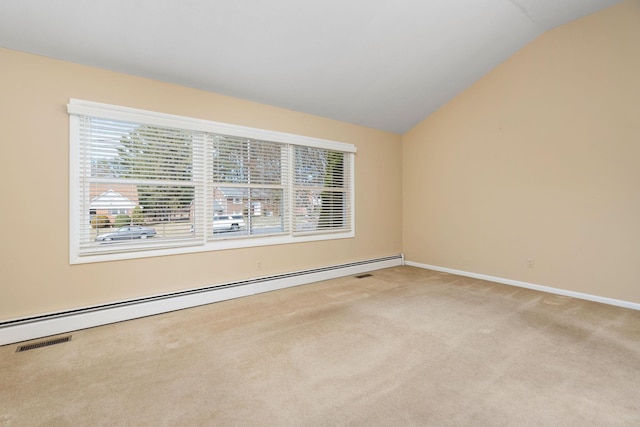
x=385, y=64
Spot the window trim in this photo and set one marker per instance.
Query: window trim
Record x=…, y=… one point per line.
x=77, y=108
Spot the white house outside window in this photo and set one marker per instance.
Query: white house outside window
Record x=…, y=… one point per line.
x=146, y=184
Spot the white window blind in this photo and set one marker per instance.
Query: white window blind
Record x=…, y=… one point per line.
x=145, y=184
x=320, y=191
x=139, y=176
x=253, y=175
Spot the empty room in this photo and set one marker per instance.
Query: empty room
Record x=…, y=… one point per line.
x=296, y=213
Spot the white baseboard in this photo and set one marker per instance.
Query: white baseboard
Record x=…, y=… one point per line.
x=557, y=291
x=44, y=325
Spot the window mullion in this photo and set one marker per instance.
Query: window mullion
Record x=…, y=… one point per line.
x=287, y=178
x=207, y=201
x=199, y=204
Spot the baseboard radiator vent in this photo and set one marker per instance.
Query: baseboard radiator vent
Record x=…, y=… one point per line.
x=45, y=343
x=24, y=329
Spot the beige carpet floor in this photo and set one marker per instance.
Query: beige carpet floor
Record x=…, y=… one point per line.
x=405, y=347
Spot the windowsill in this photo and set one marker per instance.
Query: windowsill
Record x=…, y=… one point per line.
x=209, y=246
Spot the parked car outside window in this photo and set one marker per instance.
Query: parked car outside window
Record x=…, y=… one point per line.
x=222, y=223
x=127, y=233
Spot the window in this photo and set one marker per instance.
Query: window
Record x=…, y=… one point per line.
x=146, y=184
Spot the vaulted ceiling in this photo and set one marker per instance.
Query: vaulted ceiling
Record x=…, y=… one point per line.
x=385, y=64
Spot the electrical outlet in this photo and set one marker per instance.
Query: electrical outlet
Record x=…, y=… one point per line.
x=531, y=263
x=259, y=265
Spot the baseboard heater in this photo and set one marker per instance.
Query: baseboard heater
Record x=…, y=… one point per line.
x=28, y=328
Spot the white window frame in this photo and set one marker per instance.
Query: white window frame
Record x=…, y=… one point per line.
x=77, y=108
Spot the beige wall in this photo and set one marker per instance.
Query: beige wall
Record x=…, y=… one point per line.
x=35, y=275
x=539, y=159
